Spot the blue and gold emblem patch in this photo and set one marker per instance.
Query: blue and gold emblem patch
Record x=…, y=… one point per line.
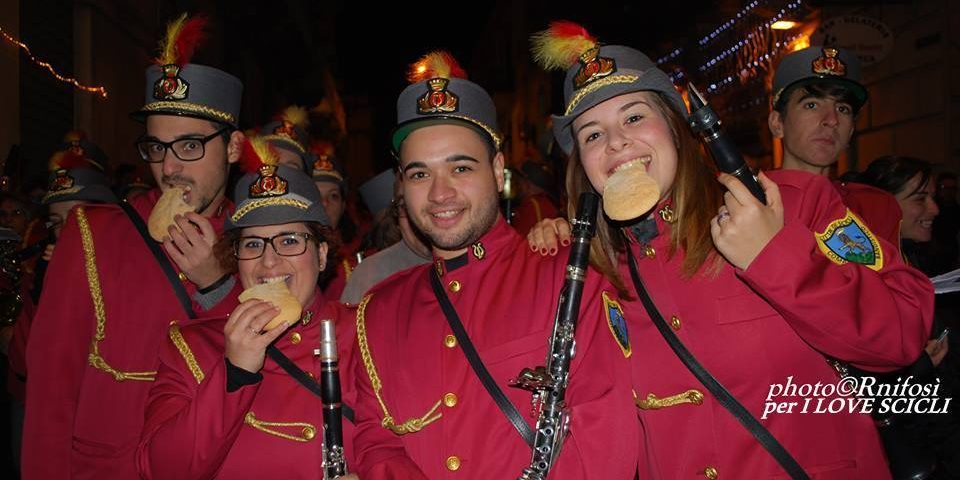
x=617, y=323
x=849, y=240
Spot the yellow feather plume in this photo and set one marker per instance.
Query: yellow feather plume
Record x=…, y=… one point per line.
x=264, y=151
x=560, y=45
x=168, y=46
x=296, y=115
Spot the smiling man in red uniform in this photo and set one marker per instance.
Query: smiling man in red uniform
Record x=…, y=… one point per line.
x=107, y=302
x=422, y=411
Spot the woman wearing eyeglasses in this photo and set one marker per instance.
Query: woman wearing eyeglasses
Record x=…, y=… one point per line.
x=221, y=406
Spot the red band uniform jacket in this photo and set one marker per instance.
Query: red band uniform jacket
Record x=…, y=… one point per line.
x=773, y=323
x=196, y=429
x=86, y=406
x=451, y=428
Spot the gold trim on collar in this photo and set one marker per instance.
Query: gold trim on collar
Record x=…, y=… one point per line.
x=177, y=338
x=654, y=403
x=438, y=265
x=189, y=107
x=96, y=295
x=307, y=431
x=411, y=425
x=597, y=85
x=266, y=202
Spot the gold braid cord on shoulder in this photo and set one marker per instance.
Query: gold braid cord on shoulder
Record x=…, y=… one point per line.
x=93, y=280
x=410, y=426
x=177, y=338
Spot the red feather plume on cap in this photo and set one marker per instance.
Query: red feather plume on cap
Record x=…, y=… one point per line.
x=436, y=64
x=71, y=157
x=560, y=45
x=256, y=153
x=67, y=159
x=322, y=148
x=183, y=36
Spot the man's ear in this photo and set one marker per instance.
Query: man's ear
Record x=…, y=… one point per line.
x=775, y=122
x=235, y=146
x=498, y=161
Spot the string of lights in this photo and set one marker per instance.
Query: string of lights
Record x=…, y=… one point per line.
x=670, y=56
x=746, y=42
x=101, y=91
x=751, y=65
x=728, y=24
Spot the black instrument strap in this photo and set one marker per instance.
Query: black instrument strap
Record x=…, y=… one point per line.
x=301, y=377
x=161, y=258
x=742, y=415
x=508, y=409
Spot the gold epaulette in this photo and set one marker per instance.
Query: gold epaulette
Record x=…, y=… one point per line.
x=411, y=425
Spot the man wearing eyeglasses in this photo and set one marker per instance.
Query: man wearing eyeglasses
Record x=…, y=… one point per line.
x=112, y=291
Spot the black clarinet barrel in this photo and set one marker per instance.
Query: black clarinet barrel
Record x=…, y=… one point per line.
x=334, y=464
x=704, y=121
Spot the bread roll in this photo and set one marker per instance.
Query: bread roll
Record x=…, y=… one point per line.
x=629, y=193
x=169, y=205
x=279, y=295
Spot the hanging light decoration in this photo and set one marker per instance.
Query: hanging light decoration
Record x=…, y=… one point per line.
x=99, y=90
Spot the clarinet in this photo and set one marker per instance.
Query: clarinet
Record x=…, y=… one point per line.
x=704, y=121
x=549, y=383
x=334, y=465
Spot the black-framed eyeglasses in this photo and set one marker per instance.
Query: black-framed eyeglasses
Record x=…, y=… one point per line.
x=189, y=149
x=288, y=244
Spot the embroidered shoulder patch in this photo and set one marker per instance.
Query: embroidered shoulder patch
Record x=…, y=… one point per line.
x=849, y=240
x=617, y=323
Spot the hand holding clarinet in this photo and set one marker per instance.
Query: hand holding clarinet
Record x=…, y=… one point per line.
x=752, y=212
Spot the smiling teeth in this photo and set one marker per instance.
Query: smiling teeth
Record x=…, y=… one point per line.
x=447, y=214
x=645, y=160
x=277, y=279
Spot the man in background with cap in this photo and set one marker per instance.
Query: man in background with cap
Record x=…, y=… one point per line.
x=408, y=252
x=288, y=133
x=422, y=410
x=330, y=180
x=817, y=95
x=113, y=291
